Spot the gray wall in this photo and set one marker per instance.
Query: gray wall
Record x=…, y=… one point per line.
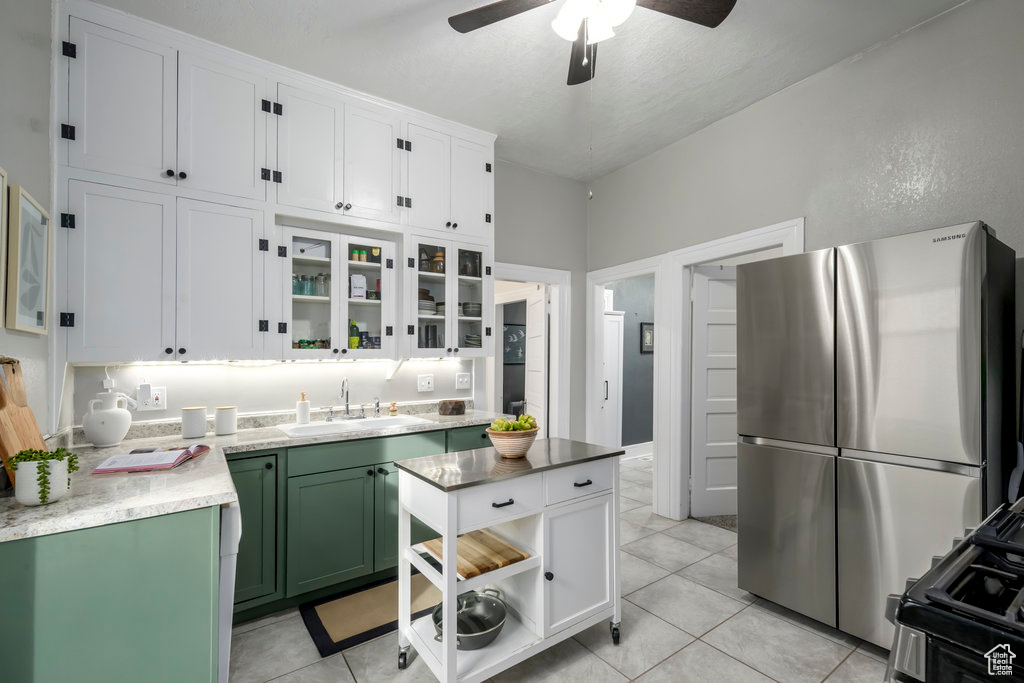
x=513, y=380
x=922, y=131
x=541, y=220
x=635, y=297
x=25, y=154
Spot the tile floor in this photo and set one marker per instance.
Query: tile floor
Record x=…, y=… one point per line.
x=684, y=619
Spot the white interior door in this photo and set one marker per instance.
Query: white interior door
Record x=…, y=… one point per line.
x=222, y=129
x=536, y=393
x=123, y=103
x=220, y=282
x=713, y=455
x=611, y=381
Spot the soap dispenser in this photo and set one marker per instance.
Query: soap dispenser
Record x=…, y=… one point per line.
x=302, y=410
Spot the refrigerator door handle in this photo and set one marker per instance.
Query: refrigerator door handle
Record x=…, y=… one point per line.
x=789, y=445
x=908, y=461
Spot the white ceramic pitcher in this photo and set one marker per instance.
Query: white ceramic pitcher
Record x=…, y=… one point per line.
x=106, y=425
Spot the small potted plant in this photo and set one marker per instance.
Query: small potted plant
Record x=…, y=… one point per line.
x=43, y=476
x=513, y=437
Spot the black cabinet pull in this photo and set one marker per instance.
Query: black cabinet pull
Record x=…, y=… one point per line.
x=169, y=173
x=336, y=350
x=344, y=350
x=339, y=206
x=381, y=470
x=456, y=350
x=182, y=175
x=269, y=465
x=502, y=505
x=181, y=351
x=606, y=390
x=588, y=482
x=168, y=350
x=484, y=435
x=348, y=206
x=549, y=576
x=448, y=224
x=449, y=350
x=455, y=226
x=369, y=472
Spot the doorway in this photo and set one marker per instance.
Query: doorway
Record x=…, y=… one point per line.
x=520, y=379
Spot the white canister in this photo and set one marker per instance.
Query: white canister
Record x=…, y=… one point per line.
x=225, y=420
x=193, y=422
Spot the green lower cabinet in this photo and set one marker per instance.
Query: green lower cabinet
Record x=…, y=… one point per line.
x=330, y=528
x=468, y=438
x=385, y=531
x=256, y=483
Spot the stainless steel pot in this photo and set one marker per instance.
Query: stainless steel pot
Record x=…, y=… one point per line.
x=479, y=618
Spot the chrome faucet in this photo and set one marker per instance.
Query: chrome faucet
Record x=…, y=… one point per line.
x=376, y=406
x=344, y=396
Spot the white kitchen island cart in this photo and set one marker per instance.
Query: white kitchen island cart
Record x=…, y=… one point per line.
x=559, y=505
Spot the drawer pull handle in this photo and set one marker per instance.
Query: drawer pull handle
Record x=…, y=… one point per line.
x=502, y=505
x=588, y=482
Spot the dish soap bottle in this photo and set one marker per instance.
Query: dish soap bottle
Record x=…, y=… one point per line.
x=302, y=410
x=353, y=335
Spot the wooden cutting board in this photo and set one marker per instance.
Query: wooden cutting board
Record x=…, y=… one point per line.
x=18, y=428
x=479, y=552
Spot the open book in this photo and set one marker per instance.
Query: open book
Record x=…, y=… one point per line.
x=146, y=460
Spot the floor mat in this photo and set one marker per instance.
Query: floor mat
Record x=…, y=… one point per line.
x=721, y=521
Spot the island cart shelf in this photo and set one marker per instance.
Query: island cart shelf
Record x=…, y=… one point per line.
x=558, y=505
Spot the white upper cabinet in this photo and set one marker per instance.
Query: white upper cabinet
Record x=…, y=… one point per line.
x=372, y=163
x=311, y=149
x=121, y=268
x=219, y=282
x=122, y=104
x=472, y=184
x=429, y=178
x=222, y=128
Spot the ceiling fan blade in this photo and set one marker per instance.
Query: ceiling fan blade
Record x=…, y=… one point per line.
x=583, y=60
x=708, y=13
x=488, y=14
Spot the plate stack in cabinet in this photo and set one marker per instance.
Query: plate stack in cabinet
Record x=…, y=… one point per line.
x=450, y=299
x=340, y=298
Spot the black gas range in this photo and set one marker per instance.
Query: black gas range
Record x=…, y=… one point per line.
x=964, y=619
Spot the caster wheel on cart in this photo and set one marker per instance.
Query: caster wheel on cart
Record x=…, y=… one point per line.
x=615, y=635
x=402, y=660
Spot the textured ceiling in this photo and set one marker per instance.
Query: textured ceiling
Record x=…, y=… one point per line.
x=658, y=80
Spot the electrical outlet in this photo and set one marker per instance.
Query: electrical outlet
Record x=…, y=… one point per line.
x=151, y=398
x=462, y=380
x=424, y=383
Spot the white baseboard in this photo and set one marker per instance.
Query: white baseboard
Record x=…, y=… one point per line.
x=638, y=450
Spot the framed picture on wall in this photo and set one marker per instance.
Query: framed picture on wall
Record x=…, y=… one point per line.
x=28, y=263
x=646, y=337
x=513, y=339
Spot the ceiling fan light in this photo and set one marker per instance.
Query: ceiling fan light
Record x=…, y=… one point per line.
x=567, y=24
x=617, y=11
x=598, y=28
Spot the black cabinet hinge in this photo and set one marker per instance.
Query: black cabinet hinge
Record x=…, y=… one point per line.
x=67, y=319
x=69, y=49
x=487, y=331
x=265, y=105
x=408, y=202
x=277, y=176
x=264, y=326
x=67, y=220
x=282, y=250
x=278, y=108
x=411, y=329
x=67, y=132
x=282, y=328
x=487, y=270
x=264, y=174
x=399, y=143
x=487, y=218
x=388, y=331
x=398, y=200
x=389, y=263
x=412, y=262
x=487, y=167
x=264, y=245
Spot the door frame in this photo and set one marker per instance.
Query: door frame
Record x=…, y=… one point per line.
x=559, y=340
x=672, y=347
x=495, y=399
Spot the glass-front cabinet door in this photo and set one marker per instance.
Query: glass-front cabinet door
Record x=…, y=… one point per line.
x=340, y=298
x=473, y=294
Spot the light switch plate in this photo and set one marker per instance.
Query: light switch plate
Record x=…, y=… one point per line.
x=424, y=383
x=462, y=380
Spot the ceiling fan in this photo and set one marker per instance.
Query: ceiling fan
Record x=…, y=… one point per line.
x=588, y=22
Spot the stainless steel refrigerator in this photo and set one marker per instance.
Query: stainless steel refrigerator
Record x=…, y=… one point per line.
x=876, y=418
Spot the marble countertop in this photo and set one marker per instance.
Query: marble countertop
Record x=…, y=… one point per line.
x=111, y=498
x=453, y=471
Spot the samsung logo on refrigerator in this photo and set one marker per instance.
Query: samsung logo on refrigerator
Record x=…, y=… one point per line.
x=946, y=238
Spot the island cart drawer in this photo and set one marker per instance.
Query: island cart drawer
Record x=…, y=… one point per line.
x=576, y=481
x=481, y=506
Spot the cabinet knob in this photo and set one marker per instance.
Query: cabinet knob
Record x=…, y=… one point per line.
x=336, y=350
x=381, y=470
x=448, y=224
x=549, y=576
x=455, y=226
x=269, y=466
x=339, y=206
x=348, y=206
x=449, y=350
x=484, y=435
x=182, y=175
x=456, y=351
x=369, y=472
x=169, y=173
x=168, y=350
x=181, y=351
x=344, y=350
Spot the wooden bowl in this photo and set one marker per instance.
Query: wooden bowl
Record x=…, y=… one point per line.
x=512, y=444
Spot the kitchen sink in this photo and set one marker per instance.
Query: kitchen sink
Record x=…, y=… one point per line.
x=347, y=426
